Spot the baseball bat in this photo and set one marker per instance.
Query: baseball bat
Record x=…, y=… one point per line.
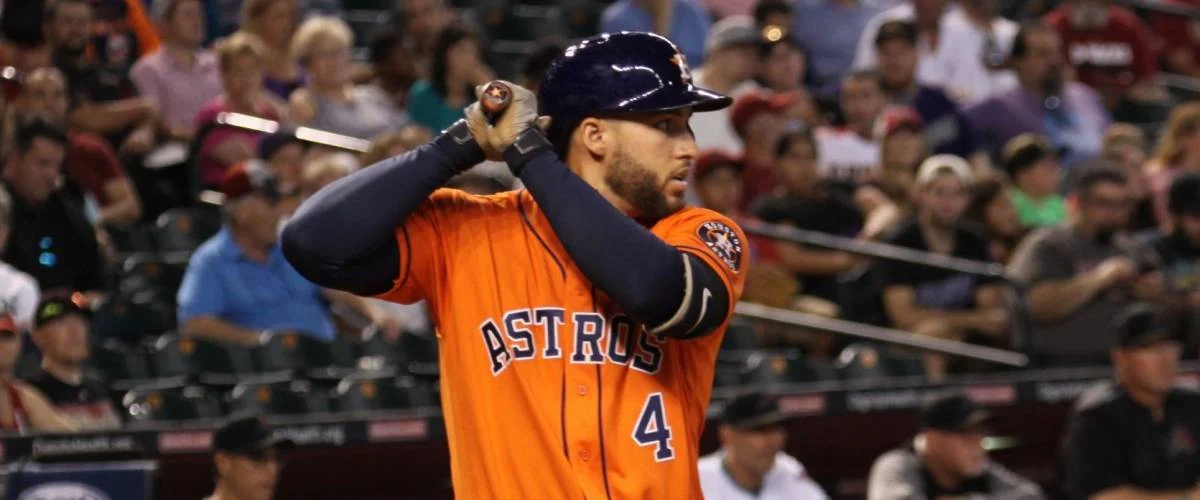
x=494, y=99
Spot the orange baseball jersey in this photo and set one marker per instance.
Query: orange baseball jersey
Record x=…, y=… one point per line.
x=548, y=390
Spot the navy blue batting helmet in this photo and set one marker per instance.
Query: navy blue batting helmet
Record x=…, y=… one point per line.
x=619, y=72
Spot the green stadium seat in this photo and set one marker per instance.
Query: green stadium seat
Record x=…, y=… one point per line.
x=359, y=393
x=296, y=397
x=184, y=229
x=170, y=404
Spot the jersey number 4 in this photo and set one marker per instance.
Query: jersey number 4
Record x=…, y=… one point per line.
x=652, y=428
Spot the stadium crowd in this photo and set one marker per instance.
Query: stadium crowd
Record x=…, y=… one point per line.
x=139, y=222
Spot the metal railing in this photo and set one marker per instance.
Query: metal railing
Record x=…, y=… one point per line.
x=1017, y=300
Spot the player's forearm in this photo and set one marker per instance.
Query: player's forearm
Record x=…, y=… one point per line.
x=1055, y=300
x=344, y=236
x=636, y=269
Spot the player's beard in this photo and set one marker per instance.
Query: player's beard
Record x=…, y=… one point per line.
x=640, y=187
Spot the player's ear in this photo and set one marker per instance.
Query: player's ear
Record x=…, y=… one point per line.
x=595, y=136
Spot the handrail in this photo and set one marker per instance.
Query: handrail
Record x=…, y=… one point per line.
x=1017, y=299
x=881, y=334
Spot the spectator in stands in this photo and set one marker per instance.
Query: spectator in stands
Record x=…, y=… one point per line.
x=456, y=69
x=850, y=154
x=322, y=172
x=751, y=462
x=61, y=334
x=730, y=63
x=1069, y=113
x=123, y=32
x=1110, y=48
x=284, y=154
x=91, y=163
x=394, y=143
x=240, y=57
x=896, y=55
x=534, y=68
x=804, y=202
x=946, y=459
x=928, y=17
x=329, y=100
x=1125, y=148
x=992, y=209
x=902, y=150
x=181, y=76
x=772, y=13
x=782, y=61
x=51, y=238
x=977, y=42
x=238, y=288
x=103, y=99
x=684, y=22
x=831, y=51
x=18, y=290
x=935, y=302
x=1136, y=438
x=394, y=69
x=23, y=408
x=1178, y=151
x=274, y=23
x=1081, y=273
x=421, y=21
x=1179, y=250
x=247, y=459
x=1180, y=40
x=1032, y=164
x=758, y=119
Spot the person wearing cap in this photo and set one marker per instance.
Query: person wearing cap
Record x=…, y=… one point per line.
x=850, y=153
x=1032, y=165
x=1136, y=436
x=947, y=459
x=759, y=119
x=91, y=162
x=730, y=64
x=61, y=332
x=239, y=288
x=1081, y=273
x=901, y=150
x=285, y=155
x=783, y=62
x=751, y=463
x=946, y=129
x=51, y=237
x=19, y=292
x=23, y=407
x=936, y=302
x=247, y=458
x=181, y=75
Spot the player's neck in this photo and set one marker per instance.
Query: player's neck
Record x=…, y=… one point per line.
x=745, y=479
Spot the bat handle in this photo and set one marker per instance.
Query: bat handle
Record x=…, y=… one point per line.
x=494, y=99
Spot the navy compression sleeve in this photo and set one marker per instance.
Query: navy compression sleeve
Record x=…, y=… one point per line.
x=639, y=271
x=344, y=236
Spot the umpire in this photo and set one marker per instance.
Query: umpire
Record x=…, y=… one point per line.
x=1137, y=438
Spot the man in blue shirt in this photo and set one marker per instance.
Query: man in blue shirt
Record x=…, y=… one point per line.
x=831, y=51
x=239, y=288
x=685, y=22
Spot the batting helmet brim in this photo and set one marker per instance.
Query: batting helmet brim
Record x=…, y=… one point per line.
x=668, y=99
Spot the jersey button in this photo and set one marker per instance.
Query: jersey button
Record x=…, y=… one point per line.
x=582, y=390
x=585, y=455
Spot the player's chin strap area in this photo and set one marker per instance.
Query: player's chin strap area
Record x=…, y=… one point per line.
x=705, y=302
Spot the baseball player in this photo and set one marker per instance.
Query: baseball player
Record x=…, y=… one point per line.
x=580, y=318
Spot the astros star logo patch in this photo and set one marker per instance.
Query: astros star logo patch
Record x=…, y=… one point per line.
x=723, y=241
x=681, y=60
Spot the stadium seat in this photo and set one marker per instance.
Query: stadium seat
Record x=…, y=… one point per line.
x=159, y=274
x=358, y=393
x=184, y=229
x=296, y=397
x=376, y=345
x=122, y=319
x=581, y=18
x=864, y=361
x=131, y=239
x=159, y=404
x=740, y=340
x=418, y=355
x=860, y=296
x=118, y=361
x=174, y=356
x=295, y=351
x=784, y=367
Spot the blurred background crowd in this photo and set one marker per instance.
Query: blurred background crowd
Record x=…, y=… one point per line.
x=152, y=149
